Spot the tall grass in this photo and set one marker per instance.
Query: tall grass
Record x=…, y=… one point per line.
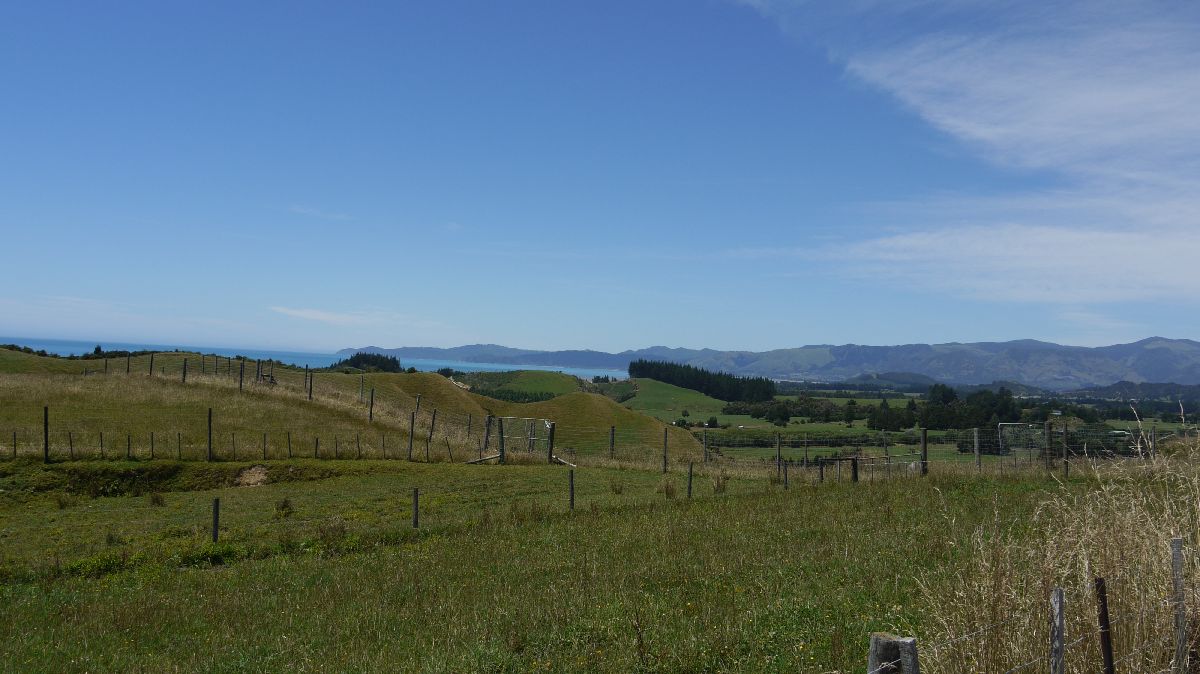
x=1119, y=529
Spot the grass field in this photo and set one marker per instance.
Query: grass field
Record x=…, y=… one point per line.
x=109, y=565
x=504, y=577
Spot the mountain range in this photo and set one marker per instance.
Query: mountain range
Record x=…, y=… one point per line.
x=1032, y=362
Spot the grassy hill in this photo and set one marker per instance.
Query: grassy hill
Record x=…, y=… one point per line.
x=127, y=408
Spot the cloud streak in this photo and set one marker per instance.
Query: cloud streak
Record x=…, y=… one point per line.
x=1100, y=96
x=355, y=318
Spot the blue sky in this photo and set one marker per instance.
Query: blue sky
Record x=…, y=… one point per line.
x=748, y=174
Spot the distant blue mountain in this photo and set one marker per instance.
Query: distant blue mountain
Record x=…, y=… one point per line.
x=1041, y=364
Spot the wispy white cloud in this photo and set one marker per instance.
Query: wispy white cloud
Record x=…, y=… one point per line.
x=356, y=318
x=1100, y=96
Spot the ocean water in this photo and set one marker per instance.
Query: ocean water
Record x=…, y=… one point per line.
x=64, y=347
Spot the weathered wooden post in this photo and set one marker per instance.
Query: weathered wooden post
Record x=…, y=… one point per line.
x=70, y=445
x=550, y=444
x=1180, y=664
x=689, y=479
x=1058, y=631
x=46, y=434
x=362, y=383
x=264, y=446
x=704, y=442
x=312, y=384
x=978, y=457
x=500, y=436
x=890, y=654
x=924, y=451
x=612, y=442
x=571, y=486
x=854, y=469
x=470, y=418
x=185, y=370
x=371, y=409
x=289, y=444
x=127, y=363
x=664, y=450
x=487, y=435
x=429, y=439
x=778, y=455
x=820, y=469
x=1106, y=649
x=151, y=445
x=412, y=425
x=152, y=364
x=216, y=518
x=418, y=407
x=416, y=508
x=210, y=454
x=785, y=474
x=241, y=372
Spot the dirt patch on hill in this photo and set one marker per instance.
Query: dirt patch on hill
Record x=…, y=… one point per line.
x=254, y=476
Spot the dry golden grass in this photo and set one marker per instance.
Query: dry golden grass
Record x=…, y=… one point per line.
x=994, y=613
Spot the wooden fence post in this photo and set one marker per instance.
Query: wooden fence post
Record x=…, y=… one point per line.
x=550, y=444
x=978, y=457
x=785, y=475
x=1180, y=664
x=416, y=508
x=412, y=424
x=210, y=454
x=924, y=451
x=71, y=445
x=778, y=455
x=151, y=364
x=216, y=518
x=46, y=434
x=312, y=383
x=1106, y=650
x=316, y=447
x=128, y=446
x=1058, y=631
x=127, y=363
x=854, y=469
x=689, y=479
x=612, y=442
x=664, y=450
x=241, y=372
x=500, y=436
x=289, y=444
x=371, y=409
x=429, y=439
x=704, y=443
x=264, y=446
x=151, y=445
x=418, y=407
x=487, y=435
x=470, y=418
x=571, y=486
x=890, y=654
x=358, y=444
x=185, y=370
x=820, y=469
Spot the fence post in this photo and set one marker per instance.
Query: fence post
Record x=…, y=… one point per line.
x=550, y=444
x=785, y=475
x=210, y=456
x=151, y=445
x=1180, y=664
x=71, y=445
x=416, y=508
x=1106, y=650
x=778, y=454
x=216, y=518
x=241, y=372
x=704, y=442
x=362, y=382
x=289, y=443
x=185, y=370
x=571, y=486
x=312, y=383
x=1046, y=433
x=371, y=411
x=1066, y=461
x=487, y=435
x=820, y=469
x=264, y=446
x=151, y=364
x=890, y=654
x=1057, y=633
x=128, y=446
x=412, y=425
x=500, y=436
x=432, y=424
x=470, y=418
x=854, y=469
x=418, y=407
x=316, y=447
x=978, y=458
x=612, y=442
x=46, y=434
x=358, y=444
x=664, y=450
x=924, y=451
x=126, y=363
